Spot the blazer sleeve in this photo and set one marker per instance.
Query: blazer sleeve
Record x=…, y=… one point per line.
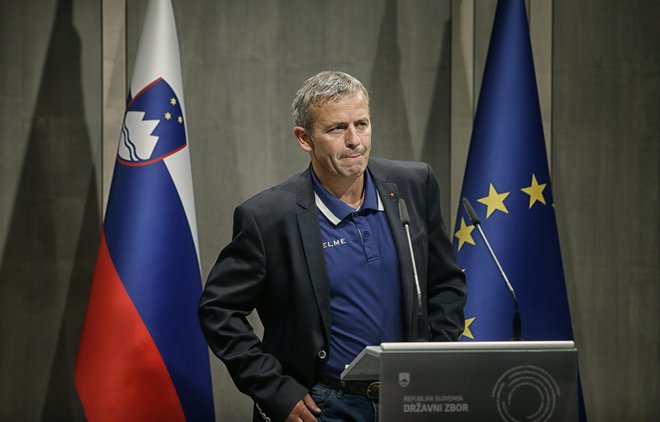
x=231, y=293
x=446, y=290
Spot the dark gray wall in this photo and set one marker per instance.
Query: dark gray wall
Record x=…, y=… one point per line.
x=50, y=115
x=242, y=61
x=606, y=154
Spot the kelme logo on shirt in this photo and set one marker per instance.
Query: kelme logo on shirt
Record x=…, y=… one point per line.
x=333, y=243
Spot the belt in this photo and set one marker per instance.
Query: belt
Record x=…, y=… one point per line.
x=370, y=389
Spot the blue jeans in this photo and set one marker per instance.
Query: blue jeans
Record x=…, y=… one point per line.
x=338, y=406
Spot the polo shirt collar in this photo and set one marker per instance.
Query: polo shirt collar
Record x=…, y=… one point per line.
x=335, y=210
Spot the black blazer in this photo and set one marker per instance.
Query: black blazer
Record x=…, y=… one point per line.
x=275, y=264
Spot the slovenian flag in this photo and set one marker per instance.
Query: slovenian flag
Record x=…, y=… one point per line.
x=142, y=355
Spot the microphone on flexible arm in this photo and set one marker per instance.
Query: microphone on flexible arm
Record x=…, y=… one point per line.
x=517, y=329
x=422, y=324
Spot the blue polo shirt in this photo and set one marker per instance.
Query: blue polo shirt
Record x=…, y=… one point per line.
x=363, y=269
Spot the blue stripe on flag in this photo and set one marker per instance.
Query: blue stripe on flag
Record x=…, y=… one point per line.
x=150, y=242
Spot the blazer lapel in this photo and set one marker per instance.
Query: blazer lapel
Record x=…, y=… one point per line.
x=389, y=194
x=310, y=236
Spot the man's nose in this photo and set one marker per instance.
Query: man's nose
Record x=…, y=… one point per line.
x=352, y=138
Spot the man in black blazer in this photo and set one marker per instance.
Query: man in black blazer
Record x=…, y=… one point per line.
x=324, y=259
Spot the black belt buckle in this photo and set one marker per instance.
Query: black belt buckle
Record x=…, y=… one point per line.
x=373, y=390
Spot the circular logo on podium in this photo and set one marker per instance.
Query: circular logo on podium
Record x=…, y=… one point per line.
x=526, y=393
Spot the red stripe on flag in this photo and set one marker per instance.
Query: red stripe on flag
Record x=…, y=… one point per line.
x=120, y=374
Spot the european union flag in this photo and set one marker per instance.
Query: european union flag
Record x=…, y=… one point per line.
x=508, y=183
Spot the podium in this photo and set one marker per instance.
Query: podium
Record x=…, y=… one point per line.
x=472, y=381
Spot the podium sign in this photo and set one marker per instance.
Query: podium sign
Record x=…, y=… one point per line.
x=489, y=381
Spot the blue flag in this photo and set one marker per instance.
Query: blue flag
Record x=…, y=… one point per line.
x=508, y=183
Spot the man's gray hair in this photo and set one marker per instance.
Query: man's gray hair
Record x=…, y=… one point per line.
x=320, y=88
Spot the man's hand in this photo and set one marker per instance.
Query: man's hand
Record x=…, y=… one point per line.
x=304, y=411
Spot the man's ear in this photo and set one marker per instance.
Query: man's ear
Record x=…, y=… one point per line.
x=303, y=138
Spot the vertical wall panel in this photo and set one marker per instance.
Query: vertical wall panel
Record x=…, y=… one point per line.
x=50, y=114
x=606, y=153
x=114, y=85
x=540, y=32
x=463, y=101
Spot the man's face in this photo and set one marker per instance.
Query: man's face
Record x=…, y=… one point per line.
x=340, y=141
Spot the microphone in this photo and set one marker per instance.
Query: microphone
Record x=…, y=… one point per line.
x=517, y=329
x=422, y=325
